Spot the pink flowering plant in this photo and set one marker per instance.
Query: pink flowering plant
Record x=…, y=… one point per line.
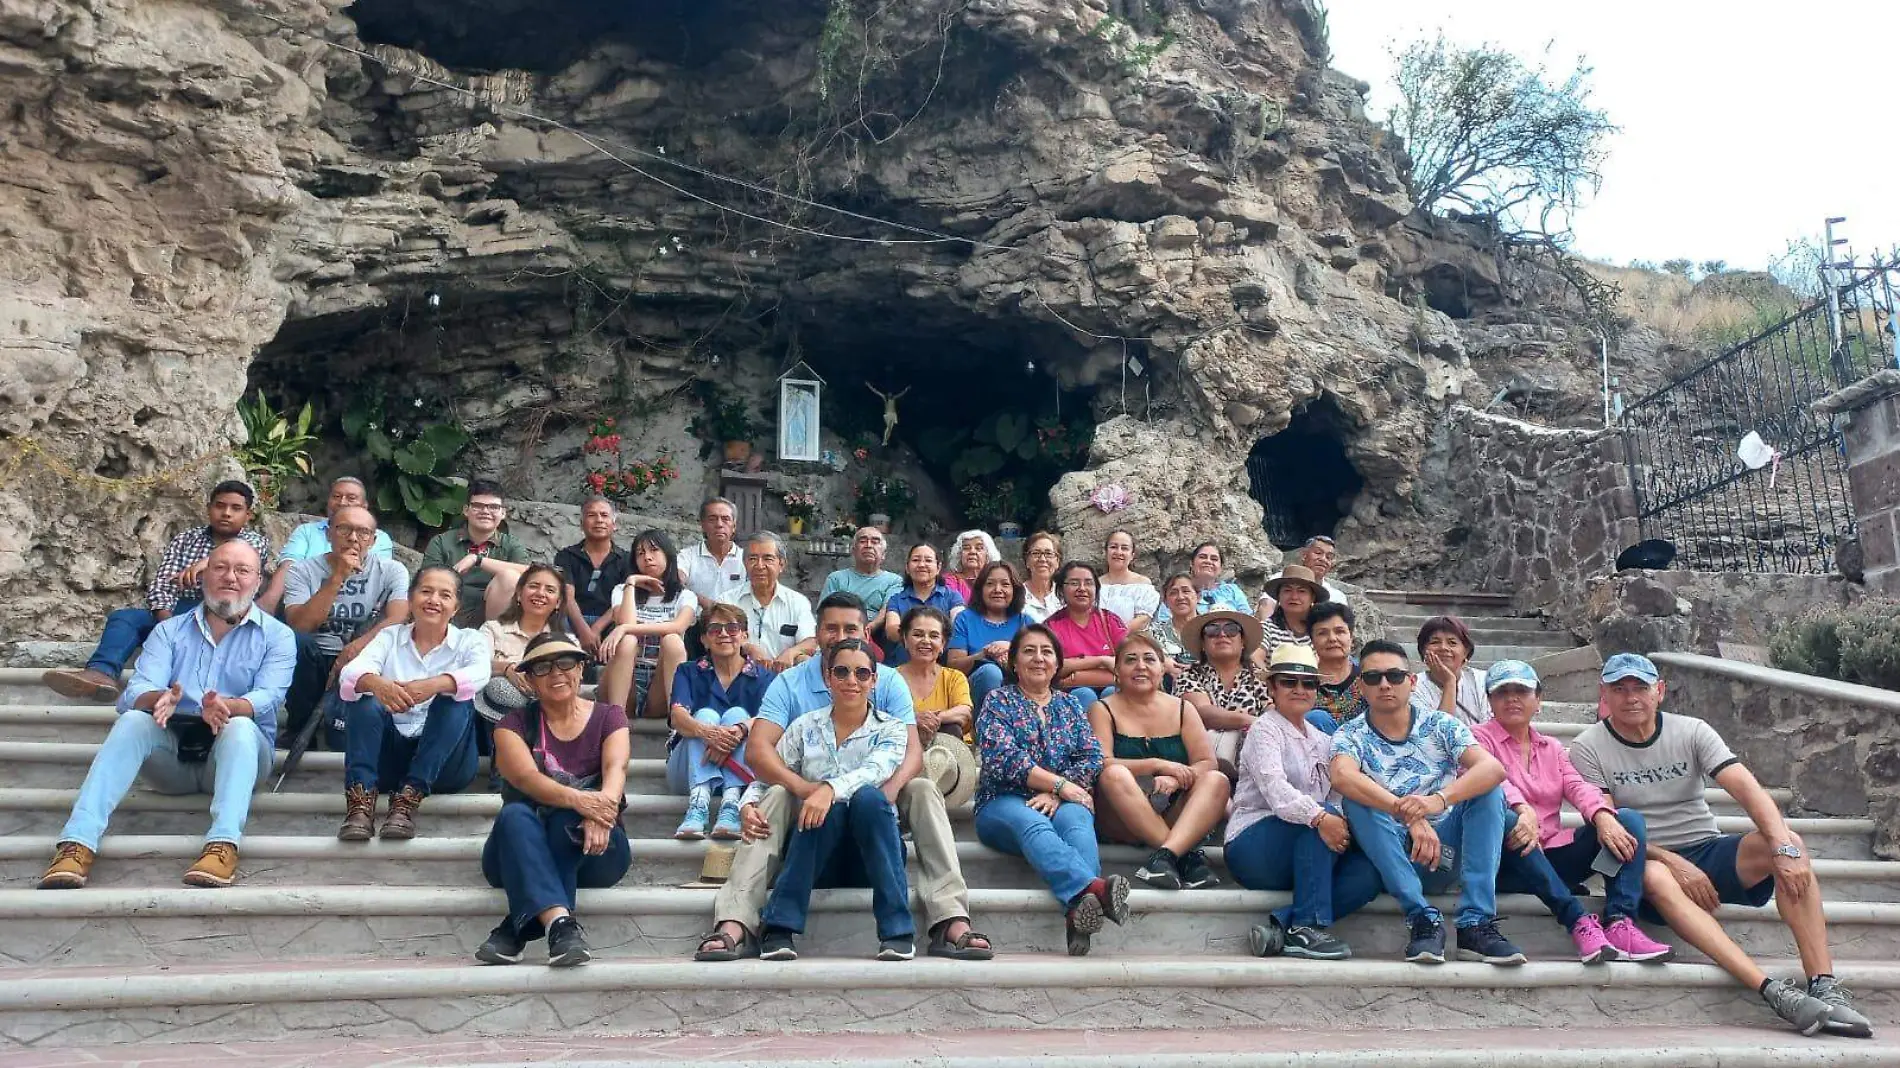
x=801, y=504
x=610, y=474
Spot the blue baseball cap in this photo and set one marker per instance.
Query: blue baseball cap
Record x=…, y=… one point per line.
x=1630, y=666
x=1510, y=673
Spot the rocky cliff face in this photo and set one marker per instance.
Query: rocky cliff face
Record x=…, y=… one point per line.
x=202, y=190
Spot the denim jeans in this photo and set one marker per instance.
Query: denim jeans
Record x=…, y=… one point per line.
x=687, y=766
x=126, y=629
x=1272, y=854
x=138, y=747
x=1061, y=848
x=535, y=855
x=440, y=760
x=306, y=687
x=1088, y=695
x=1550, y=873
x=871, y=824
x=1472, y=834
x=984, y=677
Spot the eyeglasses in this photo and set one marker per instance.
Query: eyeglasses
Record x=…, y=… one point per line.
x=1294, y=683
x=541, y=669
x=713, y=630
x=1221, y=630
x=487, y=508
x=1079, y=584
x=354, y=533
x=1390, y=676
x=842, y=672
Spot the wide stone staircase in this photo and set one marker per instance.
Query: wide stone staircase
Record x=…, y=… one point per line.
x=1499, y=630
x=330, y=952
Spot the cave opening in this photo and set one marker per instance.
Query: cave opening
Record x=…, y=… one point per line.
x=1302, y=477
x=545, y=36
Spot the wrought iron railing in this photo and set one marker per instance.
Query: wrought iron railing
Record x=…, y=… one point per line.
x=1691, y=485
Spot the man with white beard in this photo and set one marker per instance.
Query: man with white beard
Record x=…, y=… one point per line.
x=199, y=716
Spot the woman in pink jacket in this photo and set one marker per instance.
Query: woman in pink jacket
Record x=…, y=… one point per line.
x=1538, y=779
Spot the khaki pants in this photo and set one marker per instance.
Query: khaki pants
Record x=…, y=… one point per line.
x=940, y=879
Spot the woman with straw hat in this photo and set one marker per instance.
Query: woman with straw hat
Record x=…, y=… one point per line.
x=1223, y=685
x=1294, y=592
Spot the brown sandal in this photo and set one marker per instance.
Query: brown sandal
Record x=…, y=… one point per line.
x=960, y=948
x=730, y=949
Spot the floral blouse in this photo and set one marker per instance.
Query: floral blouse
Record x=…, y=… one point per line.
x=1011, y=739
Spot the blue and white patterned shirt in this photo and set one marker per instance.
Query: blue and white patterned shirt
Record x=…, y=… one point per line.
x=1423, y=762
x=868, y=758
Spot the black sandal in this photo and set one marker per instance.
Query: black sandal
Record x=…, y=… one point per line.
x=960, y=949
x=730, y=949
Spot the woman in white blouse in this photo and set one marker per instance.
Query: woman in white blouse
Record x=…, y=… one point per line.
x=1285, y=830
x=1130, y=596
x=653, y=610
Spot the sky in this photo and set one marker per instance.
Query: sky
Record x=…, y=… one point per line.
x=1744, y=124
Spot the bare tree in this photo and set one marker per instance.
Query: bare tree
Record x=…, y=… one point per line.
x=1491, y=136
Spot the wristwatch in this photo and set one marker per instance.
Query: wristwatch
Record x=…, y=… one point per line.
x=1789, y=850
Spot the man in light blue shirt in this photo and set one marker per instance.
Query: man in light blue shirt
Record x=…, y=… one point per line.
x=866, y=578
x=200, y=716
x=312, y=539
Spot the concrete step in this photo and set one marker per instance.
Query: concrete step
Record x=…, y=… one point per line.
x=373, y=997
x=173, y=924
x=128, y=860
x=41, y=812
x=1435, y=602
x=989, y=1047
x=1497, y=630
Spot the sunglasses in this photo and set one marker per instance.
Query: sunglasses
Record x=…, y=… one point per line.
x=1221, y=630
x=1390, y=676
x=1293, y=683
x=541, y=669
x=842, y=672
x=715, y=629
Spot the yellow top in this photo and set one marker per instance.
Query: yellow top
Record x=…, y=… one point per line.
x=952, y=689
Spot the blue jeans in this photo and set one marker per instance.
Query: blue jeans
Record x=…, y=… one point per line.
x=440, y=760
x=306, y=687
x=126, y=630
x=1550, y=873
x=686, y=765
x=984, y=677
x=870, y=822
x=1088, y=695
x=1061, y=848
x=535, y=855
x=1472, y=834
x=137, y=745
x=1272, y=854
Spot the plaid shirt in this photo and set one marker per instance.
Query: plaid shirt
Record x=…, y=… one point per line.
x=869, y=757
x=185, y=550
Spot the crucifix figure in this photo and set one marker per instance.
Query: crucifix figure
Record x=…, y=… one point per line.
x=890, y=408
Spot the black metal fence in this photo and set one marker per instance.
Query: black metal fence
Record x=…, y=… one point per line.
x=1790, y=515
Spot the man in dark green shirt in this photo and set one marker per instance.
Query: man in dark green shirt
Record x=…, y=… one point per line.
x=470, y=549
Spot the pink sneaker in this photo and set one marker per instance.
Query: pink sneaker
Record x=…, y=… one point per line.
x=1631, y=943
x=1592, y=946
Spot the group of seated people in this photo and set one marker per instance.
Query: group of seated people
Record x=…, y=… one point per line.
x=1070, y=704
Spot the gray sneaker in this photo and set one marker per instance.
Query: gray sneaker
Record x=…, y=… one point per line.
x=1842, y=1017
x=1807, y=1014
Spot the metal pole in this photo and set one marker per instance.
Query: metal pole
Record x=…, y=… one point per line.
x=1603, y=349
x=1830, y=292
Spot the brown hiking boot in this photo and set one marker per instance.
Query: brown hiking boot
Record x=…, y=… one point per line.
x=401, y=822
x=72, y=862
x=359, y=819
x=82, y=685
x=216, y=866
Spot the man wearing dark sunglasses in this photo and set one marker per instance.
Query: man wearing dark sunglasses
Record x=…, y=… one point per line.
x=1417, y=785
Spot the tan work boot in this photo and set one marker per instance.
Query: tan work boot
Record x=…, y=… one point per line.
x=216, y=866
x=72, y=863
x=359, y=818
x=82, y=685
x=401, y=822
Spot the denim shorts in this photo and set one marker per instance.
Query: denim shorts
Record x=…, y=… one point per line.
x=1716, y=859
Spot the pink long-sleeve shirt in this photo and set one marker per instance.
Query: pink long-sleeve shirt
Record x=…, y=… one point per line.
x=1545, y=783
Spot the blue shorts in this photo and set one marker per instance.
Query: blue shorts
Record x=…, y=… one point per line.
x=1716, y=859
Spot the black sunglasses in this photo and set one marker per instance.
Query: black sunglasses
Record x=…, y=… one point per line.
x=842, y=672
x=541, y=669
x=1390, y=676
x=1294, y=683
x=1223, y=629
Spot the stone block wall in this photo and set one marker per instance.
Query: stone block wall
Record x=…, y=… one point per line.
x=1871, y=410
x=1835, y=745
x=1538, y=511
x=1700, y=611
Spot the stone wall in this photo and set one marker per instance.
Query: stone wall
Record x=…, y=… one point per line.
x=1698, y=611
x=1872, y=432
x=1835, y=745
x=1525, y=510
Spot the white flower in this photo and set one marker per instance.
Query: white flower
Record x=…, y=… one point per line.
x=418, y=402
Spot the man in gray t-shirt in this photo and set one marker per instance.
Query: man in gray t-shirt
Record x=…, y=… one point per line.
x=336, y=603
x=1657, y=764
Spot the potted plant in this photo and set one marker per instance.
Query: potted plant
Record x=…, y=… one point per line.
x=723, y=422
x=801, y=507
x=275, y=450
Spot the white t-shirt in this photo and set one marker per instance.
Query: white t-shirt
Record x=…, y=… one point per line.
x=655, y=610
x=780, y=625
x=713, y=578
